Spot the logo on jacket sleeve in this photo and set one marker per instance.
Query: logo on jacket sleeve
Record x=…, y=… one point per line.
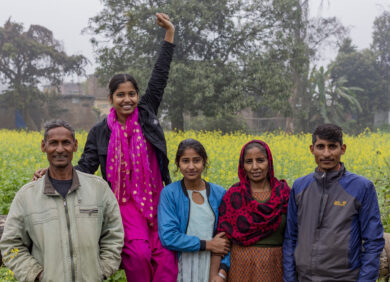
x=340, y=203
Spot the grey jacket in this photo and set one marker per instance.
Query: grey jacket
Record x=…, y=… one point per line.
x=334, y=231
x=77, y=238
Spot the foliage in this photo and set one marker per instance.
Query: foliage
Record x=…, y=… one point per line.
x=203, y=70
x=332, y=101
x=361, y=69
x=29, y=58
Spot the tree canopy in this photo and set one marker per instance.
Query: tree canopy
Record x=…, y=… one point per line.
x=28, y=58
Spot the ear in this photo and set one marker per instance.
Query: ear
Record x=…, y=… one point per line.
x=76, y=144
x=43, y=149
x=343, y=149
x=312, y=149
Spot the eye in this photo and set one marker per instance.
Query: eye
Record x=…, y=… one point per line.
x=248, y=161
x=133, y=94
x=320, y=146
x=260, y=160
x=119, y=94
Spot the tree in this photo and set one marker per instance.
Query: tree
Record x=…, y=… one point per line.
x=332, y=100
x=291, y=38
x=202, y=77
x=361, y=69
x=381, y=47
x=28, y=58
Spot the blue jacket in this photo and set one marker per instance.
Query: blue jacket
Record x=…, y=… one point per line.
x=329, y=216
x=173, y=214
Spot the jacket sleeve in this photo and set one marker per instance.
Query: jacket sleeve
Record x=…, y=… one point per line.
x=112, y=235
x=89, y=161
x=290, y=240
x=158, y=80
x=372, y=235
x=169, y=227
x=15, y=244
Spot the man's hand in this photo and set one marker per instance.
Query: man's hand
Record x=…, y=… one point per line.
x=219, y=244
x=39, y=173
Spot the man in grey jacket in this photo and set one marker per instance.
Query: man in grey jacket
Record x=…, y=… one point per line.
x=66, y=226
x=334, y=230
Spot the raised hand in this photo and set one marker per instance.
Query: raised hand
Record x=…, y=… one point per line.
x=164, y=21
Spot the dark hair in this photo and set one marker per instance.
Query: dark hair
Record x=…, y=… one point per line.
x=191, y=144
x=121, y=78
x=57, y=123
x=255, y=145
x=329, y=132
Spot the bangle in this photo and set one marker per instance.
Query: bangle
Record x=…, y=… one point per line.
x=222, y=275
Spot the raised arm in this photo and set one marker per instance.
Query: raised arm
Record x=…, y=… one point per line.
x=158, y=80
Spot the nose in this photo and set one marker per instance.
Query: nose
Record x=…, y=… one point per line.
x=326, y=152
x=60, y=148
x=127, y=98
x=190, y=165
x=255, y=165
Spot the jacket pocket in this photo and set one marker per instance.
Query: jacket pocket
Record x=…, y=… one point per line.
x=88, y=212
x=43, y=217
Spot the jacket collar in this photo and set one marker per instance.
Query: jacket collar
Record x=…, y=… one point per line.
x=50, y=190
x=330, y=176
x=183, y=187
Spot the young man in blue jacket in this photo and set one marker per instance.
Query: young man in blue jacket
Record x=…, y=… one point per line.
x=334, y=231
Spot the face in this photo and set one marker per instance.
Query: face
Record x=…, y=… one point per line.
x=124, y=100
x=256, y=165
x=327, y=154
x=191, y=164
x=59, y=147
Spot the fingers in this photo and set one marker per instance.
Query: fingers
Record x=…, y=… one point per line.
x=219, y=235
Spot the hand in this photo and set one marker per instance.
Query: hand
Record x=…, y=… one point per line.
x=163, y=21
x=39, y=173
x=219, y=244
x=217, y=279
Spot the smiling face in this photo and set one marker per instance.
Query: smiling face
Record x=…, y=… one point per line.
x=59, y=147
x=191, y=165
x=256, y=165
x=124, y=100
x=327, y=154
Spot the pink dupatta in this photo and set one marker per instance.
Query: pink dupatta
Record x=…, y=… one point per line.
x=128, y=165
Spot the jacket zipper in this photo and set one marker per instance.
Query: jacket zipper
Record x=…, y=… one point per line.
x=70, y=241
x=322, y=200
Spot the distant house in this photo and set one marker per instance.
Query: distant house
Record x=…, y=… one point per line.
x=381, y=118
x=100, y=93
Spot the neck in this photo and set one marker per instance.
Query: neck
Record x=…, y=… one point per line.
x=196, y=184
x=61, y=173
x=262, y=186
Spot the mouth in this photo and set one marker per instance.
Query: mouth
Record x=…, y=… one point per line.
x=127, y=107
x=256, y=174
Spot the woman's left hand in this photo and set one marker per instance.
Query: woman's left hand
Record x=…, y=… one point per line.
x=163, y=21
x=217, y=278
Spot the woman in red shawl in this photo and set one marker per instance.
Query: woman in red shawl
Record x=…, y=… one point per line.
x=253, y=216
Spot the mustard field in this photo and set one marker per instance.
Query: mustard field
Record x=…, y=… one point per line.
x=367, y=154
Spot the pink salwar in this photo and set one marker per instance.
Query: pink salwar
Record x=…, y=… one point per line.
x=143, y=256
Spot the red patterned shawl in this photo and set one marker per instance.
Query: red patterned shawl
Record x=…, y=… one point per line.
x=246, y=221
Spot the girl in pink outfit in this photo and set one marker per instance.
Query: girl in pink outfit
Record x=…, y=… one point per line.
x=130, y=148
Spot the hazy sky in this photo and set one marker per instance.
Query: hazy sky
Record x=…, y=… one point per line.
x=66, y=18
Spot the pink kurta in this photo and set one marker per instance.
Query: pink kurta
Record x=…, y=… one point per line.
x=143, y=256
